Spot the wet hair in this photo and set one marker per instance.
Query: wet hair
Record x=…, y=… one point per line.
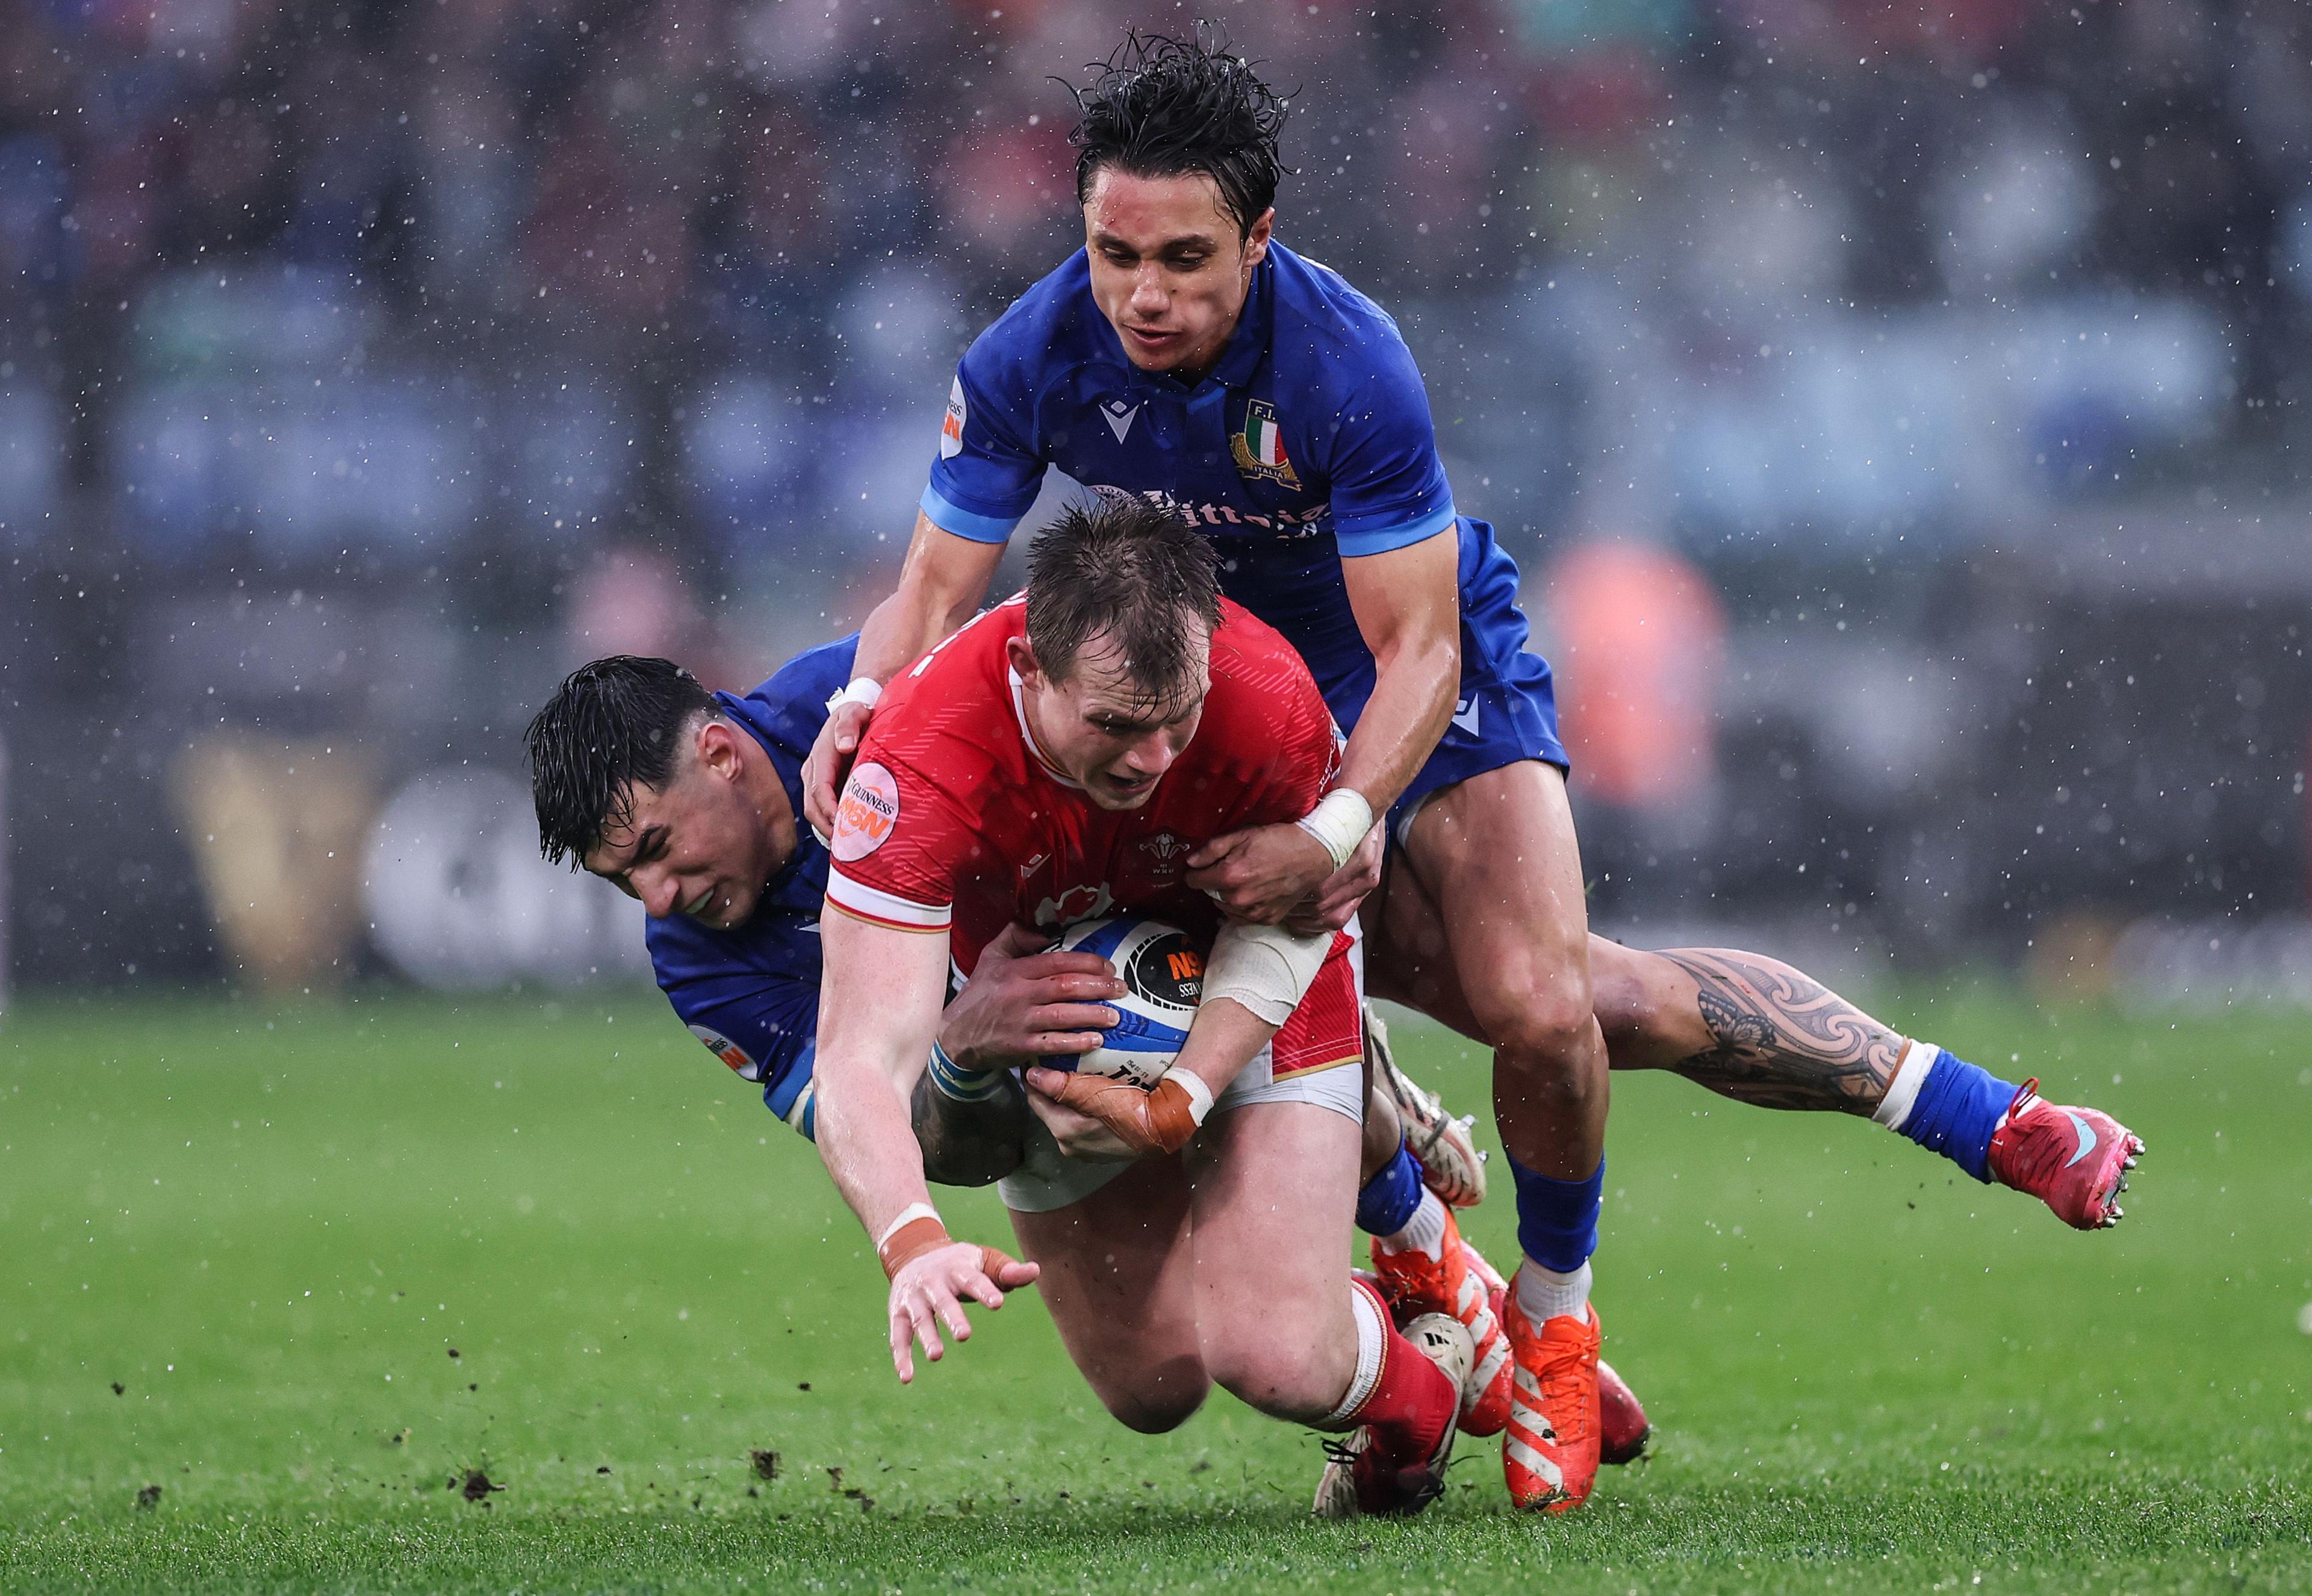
x=1160, y=107
x=1131, y=571
x=611, y=726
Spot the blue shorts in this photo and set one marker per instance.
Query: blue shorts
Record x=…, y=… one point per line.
x=1506, y=710
x=1496, y=722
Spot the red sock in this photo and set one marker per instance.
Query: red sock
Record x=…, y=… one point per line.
x=1412, y=1401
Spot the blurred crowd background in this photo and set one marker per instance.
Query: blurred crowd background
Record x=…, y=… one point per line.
x=1895, y=409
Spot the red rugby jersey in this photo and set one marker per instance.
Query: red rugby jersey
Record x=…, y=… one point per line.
x=953, y=820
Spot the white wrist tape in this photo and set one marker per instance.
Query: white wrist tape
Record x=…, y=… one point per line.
x=907, y=1216
x=1340, y=821
x=1265, y=967
x=859, y=689
x=1200, y=1096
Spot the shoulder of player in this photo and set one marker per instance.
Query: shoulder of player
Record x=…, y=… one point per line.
x=1317, y=312
x=1046, y=333
x=805, y=682
x=945, y=722
x=1338, y=348
x=975, y=651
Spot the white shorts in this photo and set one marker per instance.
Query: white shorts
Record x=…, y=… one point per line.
x=1325, y=1055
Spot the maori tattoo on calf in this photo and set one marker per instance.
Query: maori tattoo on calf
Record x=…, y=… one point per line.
x=1783, y=1040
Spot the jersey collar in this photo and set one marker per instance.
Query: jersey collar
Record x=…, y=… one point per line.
x=1247, y=345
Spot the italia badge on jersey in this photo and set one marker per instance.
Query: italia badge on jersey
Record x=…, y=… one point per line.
x=1259, y=448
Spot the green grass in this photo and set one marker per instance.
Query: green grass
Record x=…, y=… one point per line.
x=270, y=1227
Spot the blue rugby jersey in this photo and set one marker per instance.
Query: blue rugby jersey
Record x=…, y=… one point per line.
x=1309, y=440
x=752, y=992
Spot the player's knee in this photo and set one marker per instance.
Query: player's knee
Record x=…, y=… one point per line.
x=1160, y=1398
x=1546, y=1027
x=1276, y=1380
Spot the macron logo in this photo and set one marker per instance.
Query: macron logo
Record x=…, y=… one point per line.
x=1465, y=714
x=1120, y=417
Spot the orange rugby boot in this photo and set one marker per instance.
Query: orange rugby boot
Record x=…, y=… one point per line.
x=1463, y=1286
x=1549, y=1452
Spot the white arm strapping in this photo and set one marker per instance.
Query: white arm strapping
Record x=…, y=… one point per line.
x=1265, y=967
x=1339, y=821
x=859, y=689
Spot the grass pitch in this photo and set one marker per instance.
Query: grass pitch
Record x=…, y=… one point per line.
x=291, y=1295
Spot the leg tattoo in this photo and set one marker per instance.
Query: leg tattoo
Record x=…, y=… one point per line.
x=1782, y=1039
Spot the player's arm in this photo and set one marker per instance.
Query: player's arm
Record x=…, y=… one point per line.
x=879, y=1008
x=1314, y=872
x=1408, y=608
x=940, y=585
x=1254, y=980
x=1394, y=519
x=971, y=1113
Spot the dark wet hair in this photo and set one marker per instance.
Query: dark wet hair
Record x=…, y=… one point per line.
x=611, y=726
x=1132, y=571
x=1160, y=107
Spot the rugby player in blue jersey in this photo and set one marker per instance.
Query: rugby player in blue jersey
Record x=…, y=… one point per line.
x=1186, y=356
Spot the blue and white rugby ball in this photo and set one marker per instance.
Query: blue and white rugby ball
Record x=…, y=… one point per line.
x=1163, y=977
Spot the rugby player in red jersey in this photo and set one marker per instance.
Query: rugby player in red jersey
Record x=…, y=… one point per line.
x=687, y=800
x=1056, y=761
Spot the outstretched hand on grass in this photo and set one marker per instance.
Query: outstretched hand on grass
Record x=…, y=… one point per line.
x=929, y=1291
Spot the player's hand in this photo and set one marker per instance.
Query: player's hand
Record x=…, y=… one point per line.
x=1158, y=1119
x=930, y=1290
x=1078, y=1134
x=829, y=762
x=1346, y=887
x=1025, y=1004
x=1263, y=874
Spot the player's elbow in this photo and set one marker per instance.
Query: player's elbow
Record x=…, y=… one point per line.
x=835, y=1104
x=1424, y=643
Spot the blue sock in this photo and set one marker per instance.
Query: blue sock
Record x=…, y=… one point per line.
x=1957, y=1108
x=1390, y=1199
x=1558, y=1220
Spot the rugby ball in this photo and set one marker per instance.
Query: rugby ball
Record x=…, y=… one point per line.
x=1163, y=976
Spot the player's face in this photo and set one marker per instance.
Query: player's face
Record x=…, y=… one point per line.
x=1100, y=728
x=697, y=845
x=1168, y=268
